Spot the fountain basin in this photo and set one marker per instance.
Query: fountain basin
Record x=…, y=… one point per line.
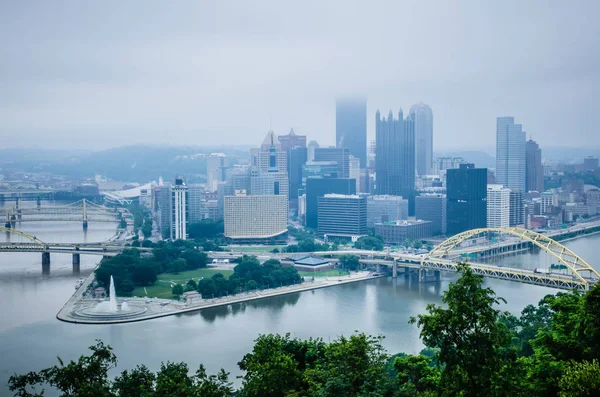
x=105, y=312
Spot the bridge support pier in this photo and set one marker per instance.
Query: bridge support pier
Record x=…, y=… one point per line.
x=378, y=268
x=76, y=259
x=406, y=272
x=437, y=275
x=395, y=270
x=8, y=225
x=85, y=225
x=45, y=258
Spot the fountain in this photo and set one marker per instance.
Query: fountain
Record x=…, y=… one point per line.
x=109, y=310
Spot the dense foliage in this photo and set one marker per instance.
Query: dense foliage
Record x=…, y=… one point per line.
x=473, y=349
x=130, y=268
x=369, y=243
x=247, y=276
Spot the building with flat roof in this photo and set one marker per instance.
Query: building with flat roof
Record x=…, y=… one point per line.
x=340, y=155
x=318, y=187
x=400, y=231
x=386, y=208
x=341, y=215
x=258, y=218
x=498, y=206
x=351, y=127
x=466, y=206
x=432, y=207
x=179, y=210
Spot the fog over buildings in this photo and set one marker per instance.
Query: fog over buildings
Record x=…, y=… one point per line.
x=98, y=75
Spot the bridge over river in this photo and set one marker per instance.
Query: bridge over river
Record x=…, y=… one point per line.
x=443, y=258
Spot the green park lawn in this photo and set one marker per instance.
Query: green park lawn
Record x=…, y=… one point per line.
x=163, y=285
x=324, y=273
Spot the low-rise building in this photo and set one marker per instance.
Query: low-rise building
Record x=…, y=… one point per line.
x=386, y=208
x=432, y=207
x=341, y=215
x=252, y=219
x=400, y=231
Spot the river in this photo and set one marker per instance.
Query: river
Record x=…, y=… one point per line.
x=31, y=337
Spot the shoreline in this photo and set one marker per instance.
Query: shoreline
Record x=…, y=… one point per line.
x=166, y=307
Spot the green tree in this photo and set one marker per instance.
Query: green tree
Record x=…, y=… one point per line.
x=349, y=262
x=473, y=343
x=580, y=380
x=369, y=243
x=206, y=228
x=416, y=374
x=177, y=290
x=147, y=243
x=88, y=376
x=144, y=274
x=139, y=382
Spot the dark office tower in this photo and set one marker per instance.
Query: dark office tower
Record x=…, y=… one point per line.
x=395, y=157
x=466, y=208
x=339, y=155
x=319, y=187
x=296, y=160
x=534, y=170
x=516, y=208
x=351, y=127
x=291, y=140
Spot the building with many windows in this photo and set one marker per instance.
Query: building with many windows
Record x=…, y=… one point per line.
x=319, y=187
x=498, y=206
x=395, y=157
x=386, y=208
x=517, y=208
x=351, y=127
x=423, y=118
x=466, y=199
x=534, y=178
x=432, y=207
x=252, y=219
x=340, y=155
x=342, y=215
x=510, y=154
x=179, y=210
x=217, y=165
x=400, y=231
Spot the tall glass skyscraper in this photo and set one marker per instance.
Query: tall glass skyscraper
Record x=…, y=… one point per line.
x=395, y=157
x=466, y=206
x=351, y=127
x=510, y=154
x=423, y=117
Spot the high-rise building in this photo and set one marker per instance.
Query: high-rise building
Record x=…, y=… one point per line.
x=590, y=163
x=340, y=155
x=510, y=154
x=342, y=215
x=319, y=169
x=386, y=209
x=271, y=159
x=297, y=157
x=441, y=164
x=395, y=157
x=423, y=117
x=216, y=170
x=292, y=140
x=179, y=210
x=534, y=178
x=517, y=208
x=319, y=187
x=466, y=206
x=498, y=206
x=351, y=127
x=256, y=218
x=195, y=196
x=312, y=145
x=354, y=171
x=432, y=207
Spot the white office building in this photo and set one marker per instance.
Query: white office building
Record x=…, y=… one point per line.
x=354, y=171
x=498, y=206
x=255, y=217
x=179, y=210
x=510, y=154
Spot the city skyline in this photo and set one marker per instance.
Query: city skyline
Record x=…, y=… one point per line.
x=177, y=74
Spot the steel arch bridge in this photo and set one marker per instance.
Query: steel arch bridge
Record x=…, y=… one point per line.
x=582, y=274
x=37, y=243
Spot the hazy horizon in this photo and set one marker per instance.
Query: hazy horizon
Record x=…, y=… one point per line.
x=88, y=76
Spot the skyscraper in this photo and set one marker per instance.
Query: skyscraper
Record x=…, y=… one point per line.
x=291, y=140
x=534, y=179
x=423, y=117
x=351, y=127
x=395, y=157
x=312, y=145
x=510, y=154
x=466, y=207
x=179, y=210
x=296, y=161
x=339, y=155
x=498, y=206
x=216, y=170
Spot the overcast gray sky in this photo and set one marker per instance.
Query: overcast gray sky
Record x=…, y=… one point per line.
x=100, y=74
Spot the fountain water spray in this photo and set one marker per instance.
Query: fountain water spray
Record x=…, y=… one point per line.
x=113, y=297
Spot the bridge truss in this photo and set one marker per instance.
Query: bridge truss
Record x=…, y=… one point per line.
x=82, y=210
x=35, y=243
x=582, y=275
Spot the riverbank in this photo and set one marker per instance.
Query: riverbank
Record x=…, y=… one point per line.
x=72, y=311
